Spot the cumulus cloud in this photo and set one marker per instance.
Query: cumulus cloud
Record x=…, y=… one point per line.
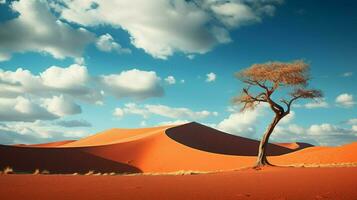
x=36, y=29
x=73, y=123
x=35, y=132
x=133, y=83
x=170, y=80
x=345, y=100
x=202, y=24
x=319, y=134
x=162, y=110
x=210, y=77
x=73, y=80
x=242, y=123
x=106, y=43
x=288, y=118
x=118, y=112
x=62, y=106
x=56, y=90
x=23, y=109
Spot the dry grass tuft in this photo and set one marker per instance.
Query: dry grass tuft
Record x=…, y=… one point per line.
x=91, y=172
x=37, y=171
x=8, y=170
x=45, y=172
x=312, y=165
x=175, y=173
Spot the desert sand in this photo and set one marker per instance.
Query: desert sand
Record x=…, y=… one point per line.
x=269, y=184
x=221, y=161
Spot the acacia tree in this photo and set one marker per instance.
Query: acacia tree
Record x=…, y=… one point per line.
x=268, y=78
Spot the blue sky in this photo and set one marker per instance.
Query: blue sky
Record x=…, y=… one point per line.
x=92, y=67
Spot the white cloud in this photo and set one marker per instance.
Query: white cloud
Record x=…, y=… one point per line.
x=191, y=56
x=319, y=134
x=61, y=106
x=133, y=83
x=177, y=113
x=170, y=80
x=354, y=128
x=118, y=112
x=242, y=123
x=79, y=61
x=199, y=30
x=288, y=118
x=176, y=122
x=36, y=132
x=234, y=14
x=23, y=109
x=37, y=29
x=73, y=81
x=71, y=78
x=56, y=89
x=162, y=110
x=352, y=121
x=319, y=103
x=210, y=77
x=2, y=1
x=345, y=100
x=106, y=43
x=347, y=74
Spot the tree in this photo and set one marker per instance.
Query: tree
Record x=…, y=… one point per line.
x=269, y=78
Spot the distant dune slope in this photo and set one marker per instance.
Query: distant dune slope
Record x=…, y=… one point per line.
x=294, y=145
x=190, y=146
x=320, y=155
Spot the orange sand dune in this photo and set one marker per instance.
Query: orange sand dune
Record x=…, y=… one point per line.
x=320, y=155
x=190, y=146
x=294, y=145
x=270, y=184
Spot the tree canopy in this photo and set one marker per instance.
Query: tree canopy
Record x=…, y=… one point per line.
x=271, y=76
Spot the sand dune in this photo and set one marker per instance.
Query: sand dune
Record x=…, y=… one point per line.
x=320, y=155
x=190, y=146
x=294, y=145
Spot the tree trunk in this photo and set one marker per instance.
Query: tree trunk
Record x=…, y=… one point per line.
x=262, y=158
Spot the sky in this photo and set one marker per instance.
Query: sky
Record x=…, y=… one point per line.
x=69, y=69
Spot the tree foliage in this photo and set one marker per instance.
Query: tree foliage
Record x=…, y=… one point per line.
x=271, y=76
